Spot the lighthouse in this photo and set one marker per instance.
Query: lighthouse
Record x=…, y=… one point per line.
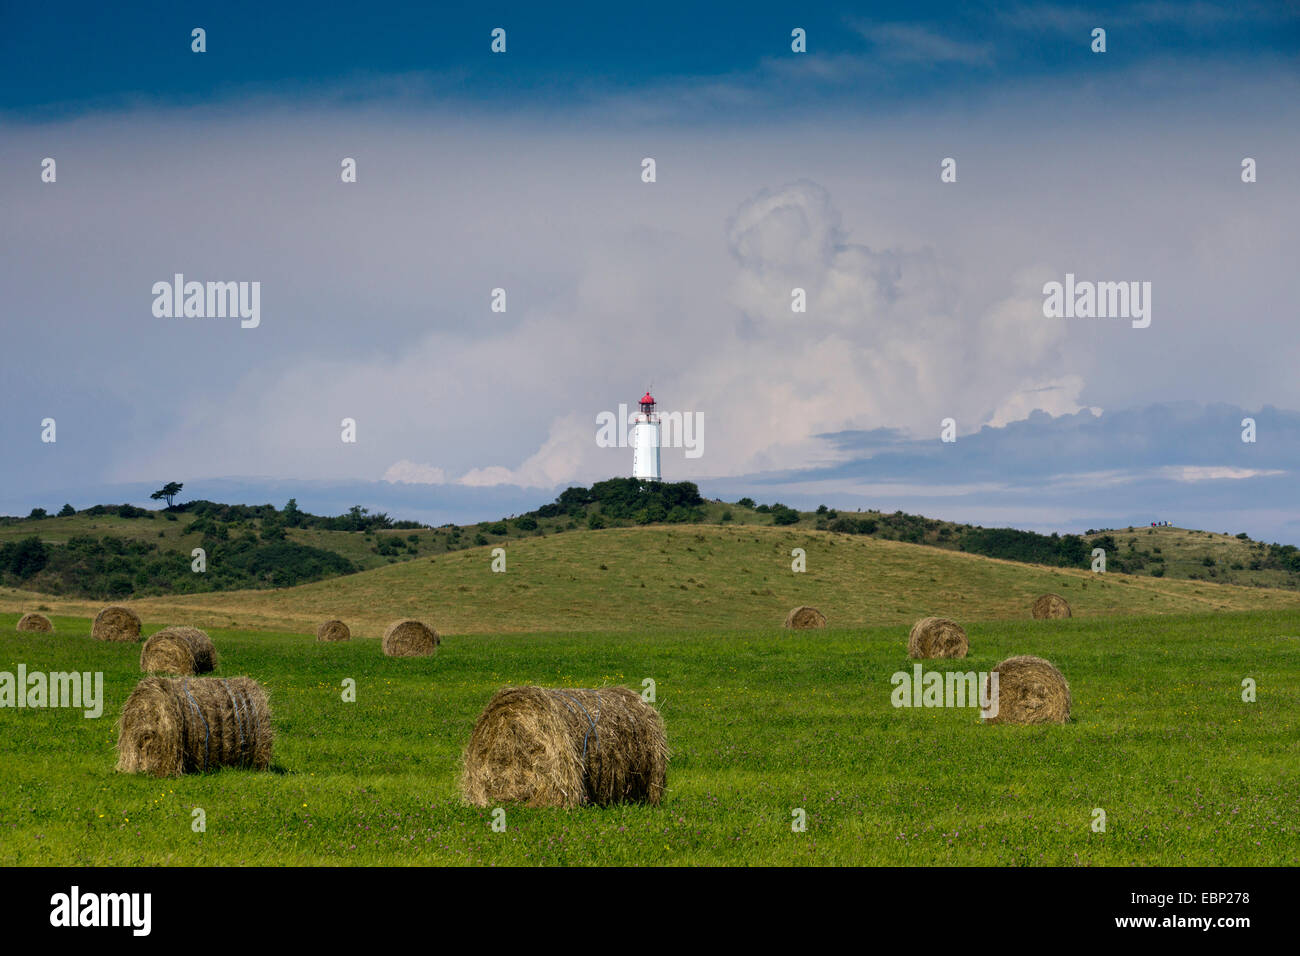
x=645, y=441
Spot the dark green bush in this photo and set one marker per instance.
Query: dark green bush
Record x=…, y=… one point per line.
x=781, y=515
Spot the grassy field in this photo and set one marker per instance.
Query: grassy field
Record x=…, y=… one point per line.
x=761, y=722
x=638, y=579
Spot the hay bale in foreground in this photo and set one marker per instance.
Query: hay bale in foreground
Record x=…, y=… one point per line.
x=565, y=748
x=410, y=639
x=116, y=623
x=37, y=623
x=333, y=631
x=937, y=637
x=1049, y=606
x=1030, y=691
x=805, y=617
x=176, y=725
x=178, y=650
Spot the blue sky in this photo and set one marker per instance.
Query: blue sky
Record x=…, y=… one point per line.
x=775, y=170
x=80, y=56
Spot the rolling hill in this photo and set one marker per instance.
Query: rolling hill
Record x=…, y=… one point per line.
x=694, y=576
x=114, y=552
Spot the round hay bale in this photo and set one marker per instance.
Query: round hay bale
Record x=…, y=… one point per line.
x=1030, y=691
x=333, y=631
x=1051, y=605
x=178, y=650
x=176, y=725
x=937, y=637
x=116, y=623
x=805, y=617
x=38, y=623
x=410, y=639
x=565, y=748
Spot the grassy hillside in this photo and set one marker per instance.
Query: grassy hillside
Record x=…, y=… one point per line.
x=761, y=722
x=117, y=552
x=697, y=576
x=1198, y=555
x=170, y=532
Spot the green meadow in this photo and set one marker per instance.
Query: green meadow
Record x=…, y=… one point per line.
x=762, y=722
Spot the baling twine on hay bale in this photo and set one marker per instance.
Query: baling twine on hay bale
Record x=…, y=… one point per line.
x=176, y=725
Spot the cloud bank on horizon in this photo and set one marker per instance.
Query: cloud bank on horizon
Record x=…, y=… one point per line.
x=924, y=299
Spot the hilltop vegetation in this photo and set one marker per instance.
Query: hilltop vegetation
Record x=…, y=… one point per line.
x=238, y=554
x=121, y=551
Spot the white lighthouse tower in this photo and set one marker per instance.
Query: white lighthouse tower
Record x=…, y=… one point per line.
x=645, y=441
